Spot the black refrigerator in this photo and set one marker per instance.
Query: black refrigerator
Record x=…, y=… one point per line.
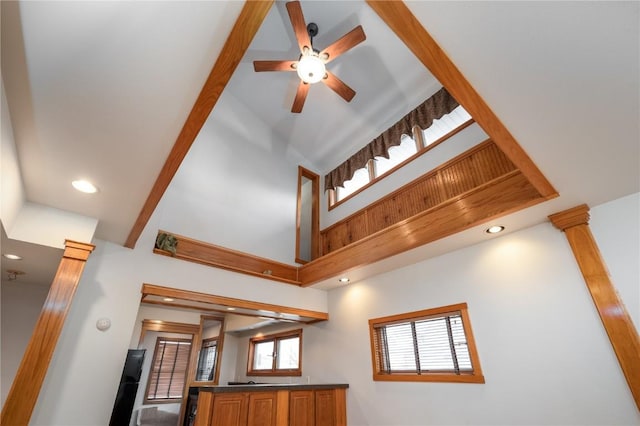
x=123, y=406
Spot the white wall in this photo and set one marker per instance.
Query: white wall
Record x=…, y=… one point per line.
x=21, y=304
x=229, y=359
x=246, y=199
x=48, y=226
x=75, y=391
x=12, y=194
x=150, y=312
x=544, y=353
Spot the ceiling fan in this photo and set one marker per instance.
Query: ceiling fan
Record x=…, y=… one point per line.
x=310, y=66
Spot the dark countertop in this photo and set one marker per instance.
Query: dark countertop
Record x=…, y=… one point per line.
x=270, y=387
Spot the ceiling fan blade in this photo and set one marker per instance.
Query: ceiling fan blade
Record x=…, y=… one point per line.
x=274, y=65
x=298, y=24
x=338, y=86
x=301, y=96
x=344, y=43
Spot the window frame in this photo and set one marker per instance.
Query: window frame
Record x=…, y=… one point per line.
x=332, y=197
x=474, y=376
x=206, y=344
x=160, y=339
x=274, y=371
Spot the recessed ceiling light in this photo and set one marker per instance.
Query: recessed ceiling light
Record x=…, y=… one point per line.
x=344, y=280
x=494, y=229
x=84, y=186
x=12, y=256
x=231, y=309
x=168, y=299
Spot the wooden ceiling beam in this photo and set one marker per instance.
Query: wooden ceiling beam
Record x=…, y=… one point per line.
x=399, y=18
x=242, y=33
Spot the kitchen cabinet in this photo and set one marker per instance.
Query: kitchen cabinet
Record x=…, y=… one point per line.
x=272, y=405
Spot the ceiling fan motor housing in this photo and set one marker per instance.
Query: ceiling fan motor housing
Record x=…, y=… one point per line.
x=310, y=66
x=312, y=29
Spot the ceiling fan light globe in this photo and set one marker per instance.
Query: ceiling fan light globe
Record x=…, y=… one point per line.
x=310, y=69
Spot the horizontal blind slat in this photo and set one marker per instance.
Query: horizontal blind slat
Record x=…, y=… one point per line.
x=433, y=345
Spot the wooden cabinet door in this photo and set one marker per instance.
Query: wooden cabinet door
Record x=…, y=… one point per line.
x=325, y=407
x=230, y=409
x=262, y=409
x=301, y=411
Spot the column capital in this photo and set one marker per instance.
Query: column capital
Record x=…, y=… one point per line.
x=578, y=215
x=77, y=250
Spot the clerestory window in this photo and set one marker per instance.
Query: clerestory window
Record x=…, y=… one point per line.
x=408, y=149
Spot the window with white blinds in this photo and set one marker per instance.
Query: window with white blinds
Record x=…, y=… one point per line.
x=430, y=345
x=168, y=370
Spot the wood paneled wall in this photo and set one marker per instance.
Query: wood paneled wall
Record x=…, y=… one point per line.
x=469, y=170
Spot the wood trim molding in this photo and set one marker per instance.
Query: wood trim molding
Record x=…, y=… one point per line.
x=27, y=383
x=243, y=31
x=341, y=407
x=615, y=318
x=399, y=18
x=167, y=327
x=156, y=290
x=501, y=196
x=475, y=376
x=473, y=168
x=578, y=215
x=282, y=411
x=233, y=260
x=497, y=197
x=315, y=214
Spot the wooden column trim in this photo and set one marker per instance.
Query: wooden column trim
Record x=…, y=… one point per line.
x=33, y=368
x=615, y=318
x=578, y=215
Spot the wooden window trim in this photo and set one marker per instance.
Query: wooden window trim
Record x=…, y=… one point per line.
x=464, y=377
x=167, y=327
x=203, y=345
x=315, y=214
x=159, y=339
x=275, y=338
x=332, y=201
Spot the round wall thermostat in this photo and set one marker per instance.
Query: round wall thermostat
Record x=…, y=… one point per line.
x=103, y=324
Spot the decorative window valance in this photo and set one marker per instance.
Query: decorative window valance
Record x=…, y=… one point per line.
x=435, y=107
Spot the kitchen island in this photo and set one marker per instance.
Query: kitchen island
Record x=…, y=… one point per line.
x=268, y=404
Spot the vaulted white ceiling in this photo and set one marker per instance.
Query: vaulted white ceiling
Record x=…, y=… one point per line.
x=101, y=90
